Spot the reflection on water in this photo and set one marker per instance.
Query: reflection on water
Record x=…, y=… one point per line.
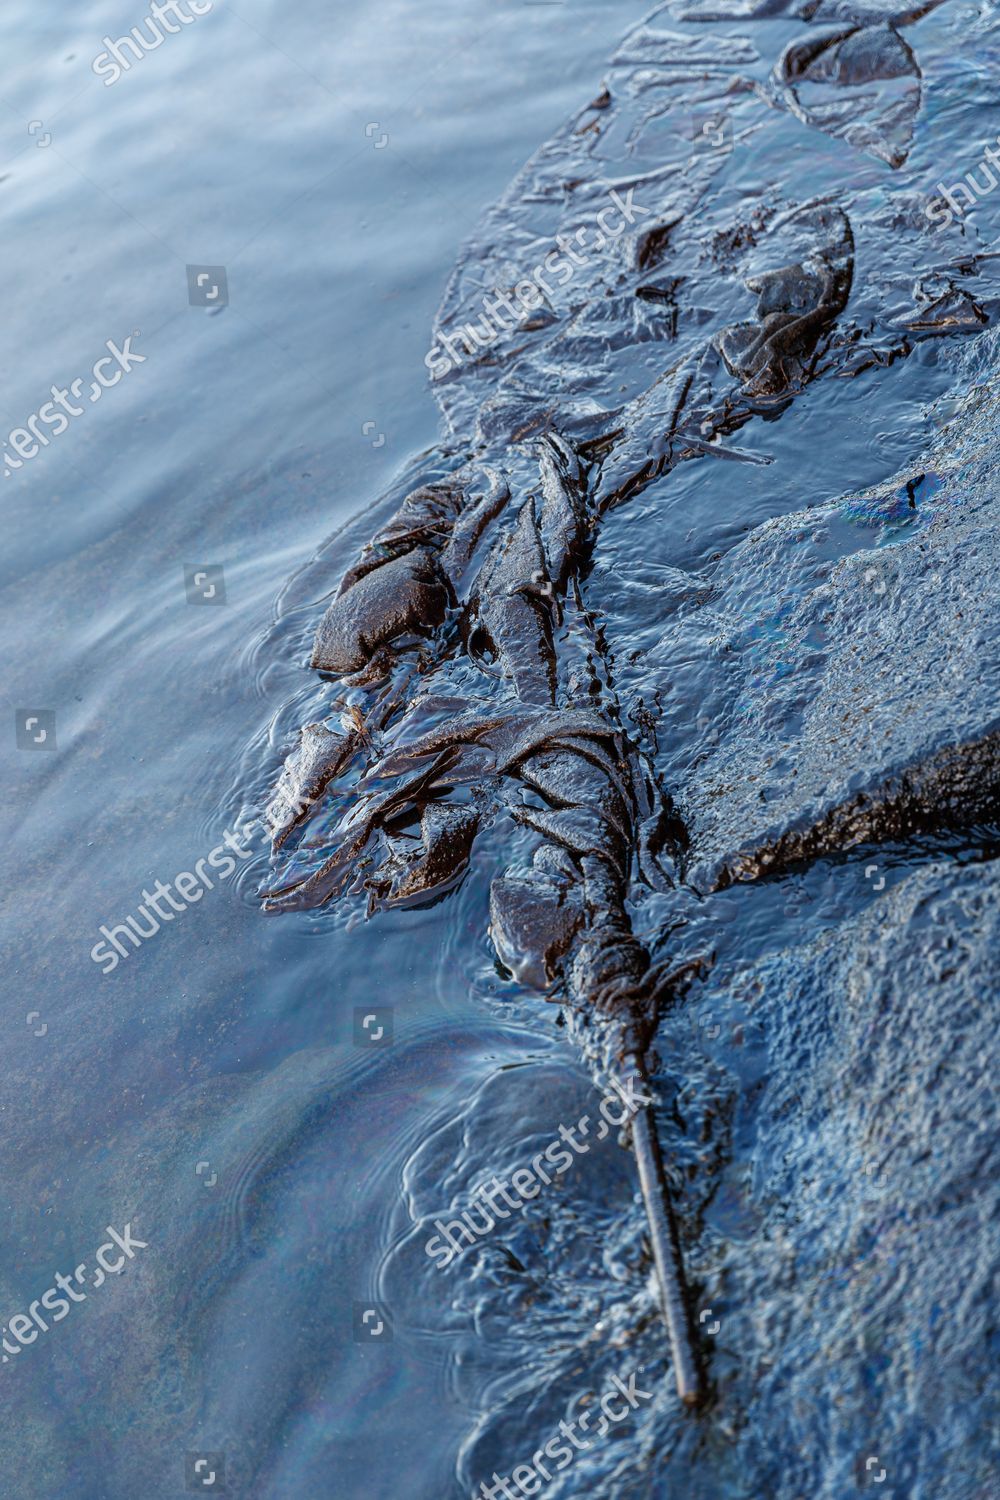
x=224, y=1088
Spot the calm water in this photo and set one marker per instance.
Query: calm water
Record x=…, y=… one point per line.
x=239, y=442
x=214, y=1091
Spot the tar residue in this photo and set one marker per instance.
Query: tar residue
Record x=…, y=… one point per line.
x=634, y=631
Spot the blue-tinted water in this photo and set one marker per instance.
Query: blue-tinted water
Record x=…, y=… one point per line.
x=218, y=1090
x=251, y=139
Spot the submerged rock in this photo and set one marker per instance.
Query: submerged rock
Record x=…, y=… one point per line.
x=854, y=652
x=871, y=1139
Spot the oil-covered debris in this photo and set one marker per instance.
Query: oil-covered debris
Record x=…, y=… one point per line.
x=827, y=80
x=619, y=632
x=796, y=305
